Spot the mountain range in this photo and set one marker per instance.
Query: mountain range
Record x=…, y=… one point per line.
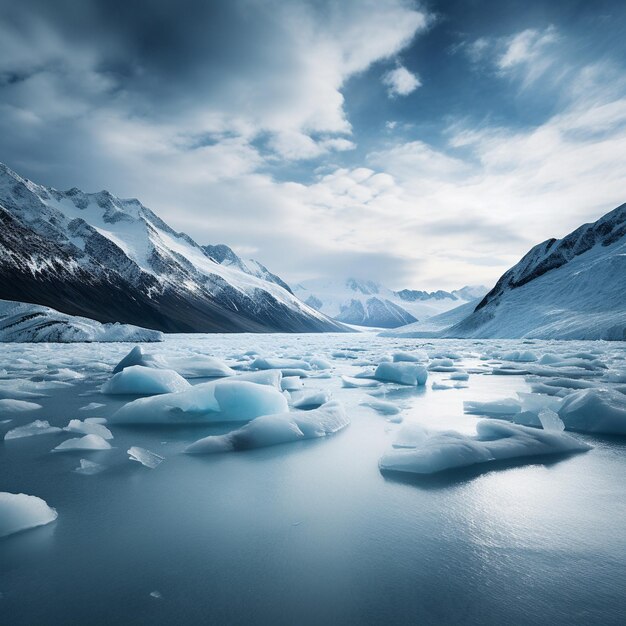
x=114, y=260
x=367, y=303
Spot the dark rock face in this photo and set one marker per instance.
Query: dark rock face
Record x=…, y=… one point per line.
x=51, y=256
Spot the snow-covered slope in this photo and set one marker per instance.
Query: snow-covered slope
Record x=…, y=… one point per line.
x=433, y=326
x=114, y=260
x=366, y=303
x=31, y=323
x=572, y=288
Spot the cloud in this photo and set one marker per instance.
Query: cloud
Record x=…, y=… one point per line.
x=401, y=82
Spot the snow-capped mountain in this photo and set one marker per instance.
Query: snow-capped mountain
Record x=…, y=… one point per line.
x=114, y=260
x=366, y=303
x=31, y=323
x=571, y=288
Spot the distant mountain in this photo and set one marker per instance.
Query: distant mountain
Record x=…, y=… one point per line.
x=114, y=260
x=570, y=288
x=366, y=303
x=433, y=326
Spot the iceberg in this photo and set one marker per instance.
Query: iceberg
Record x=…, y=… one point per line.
x=291, y=383
x=358, y=383
x=139, y=380
x=89, y=427
x=410, y=357
x=382, y=406
x=279, y=364
x=507, y=406
x=145, y=457
x=312, y=401
x=217, y=401
x=595, y=411
x=17, y=406
x=92, y=406
x=434, y=452
x=89, y=468
x=270, y=430
x=199, y=367
x=88, y=442
x=19, y=511
x=135, y=357
x=38, y=427
x=401, y=373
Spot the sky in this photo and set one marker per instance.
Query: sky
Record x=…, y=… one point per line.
x=426, y=145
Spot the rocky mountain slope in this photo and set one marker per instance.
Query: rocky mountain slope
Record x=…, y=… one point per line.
x=114, y=260
x=570, y=288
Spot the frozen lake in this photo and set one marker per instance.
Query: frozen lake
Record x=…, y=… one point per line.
x=311, y=532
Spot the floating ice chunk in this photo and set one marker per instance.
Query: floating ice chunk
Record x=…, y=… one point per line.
x=506, y=406
x=595, y=411
x=199, y=367
x=270, y=430
x=38, y=427
x=535, y=402
x=145, y=457
x=459, y=375
x=156, y=594
x=271, y=378
x=351, y=383
x=92, y=406
x=89, y=428
x=418, y=356
x=88, y=442
x=317, y=363
x=567, y=383
x=550, y=420
x=441, y=386
x=218, y=401
x=382, y=406
x=89, y=468
x=291, y=383
x=312, y=401
x=95, y=420
x=19, y=511
x=135, y=357
x=279, y=364
x=495, y=441
x=294, y=371
x=520, y=356
x=402, y=373
x=144, y=381
x=17, y=406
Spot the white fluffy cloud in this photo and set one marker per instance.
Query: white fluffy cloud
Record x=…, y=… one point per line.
x=401, y=82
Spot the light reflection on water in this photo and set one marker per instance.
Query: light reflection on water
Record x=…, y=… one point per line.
x=310, y=532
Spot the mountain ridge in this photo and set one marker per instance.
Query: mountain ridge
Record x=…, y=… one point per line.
x=114, y=260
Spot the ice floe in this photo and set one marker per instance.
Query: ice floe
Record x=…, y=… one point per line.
x=89, y=427
x=270, y=430
x=219, y=401
x=38, y=427
x=19, y=511
x=433, y=452
x=401, y=373
x=145, y=457
x=144, y=381
x=88, y=442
